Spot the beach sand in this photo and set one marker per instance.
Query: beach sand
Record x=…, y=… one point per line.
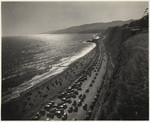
x=32, y=100
x=93, y=75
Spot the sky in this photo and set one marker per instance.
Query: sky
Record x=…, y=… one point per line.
x=23, y=18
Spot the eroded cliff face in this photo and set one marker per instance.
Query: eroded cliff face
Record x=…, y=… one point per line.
x=124, y=95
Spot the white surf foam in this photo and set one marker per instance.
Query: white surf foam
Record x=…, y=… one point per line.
x=56, y=69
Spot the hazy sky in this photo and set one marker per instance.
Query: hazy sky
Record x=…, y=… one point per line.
x=21, y=18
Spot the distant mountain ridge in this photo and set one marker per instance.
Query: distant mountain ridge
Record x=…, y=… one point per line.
x=90, y=28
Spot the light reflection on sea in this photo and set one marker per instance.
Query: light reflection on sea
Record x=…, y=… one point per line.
x=29, y=60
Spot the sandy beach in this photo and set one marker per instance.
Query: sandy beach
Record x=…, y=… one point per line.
x=32, y=100
x=64, y=60
x=93, y=82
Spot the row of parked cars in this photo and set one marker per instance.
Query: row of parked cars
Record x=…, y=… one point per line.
x=91, y=107
x=76, y=104
x=89, y=111
x=51, y=109
x=72, y=92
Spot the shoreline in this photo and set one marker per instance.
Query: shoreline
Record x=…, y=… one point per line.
x=61, y=67
x=94, y=72
x=28, y=100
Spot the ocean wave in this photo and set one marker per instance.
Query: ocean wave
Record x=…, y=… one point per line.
x=55, y=69
x=68, y=60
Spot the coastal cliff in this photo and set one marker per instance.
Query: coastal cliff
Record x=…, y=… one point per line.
x=118, y=68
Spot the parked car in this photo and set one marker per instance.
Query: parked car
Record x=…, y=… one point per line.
x=89, y=113
x=73, y=96
x=59, y=113
x=51, y=103
x=85, y=106
x=87, y=117
x=69, y=101
x=79, y=84
x=80, y=103
x=93, y=81
x=68, y=95
x=42, y=112
x=92, y=105
x=65, y=116
x=50, y=115
x=75, y=108
x=47, y=107
x=64, y=106
x=63, y=94
x=95, y=98
x=60, y=96
x=87, y=90
x=82, y=100
x=53, y=110
x=47, y=119
x=84, y=96
x=70, y=109
x=91, y=85
x=76, y=92
x=85, y=78
x=98, y=91
x=79, y=89
x=97, y=94
x=61, y=103
x=69, y=88
x=64, y=99
x=37, y=116
x=80, y=96
x=74, y=103
x=55, y=106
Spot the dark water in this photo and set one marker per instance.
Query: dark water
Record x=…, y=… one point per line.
x=27, y=60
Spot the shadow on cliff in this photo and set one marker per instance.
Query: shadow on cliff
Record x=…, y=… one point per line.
x=125, y=90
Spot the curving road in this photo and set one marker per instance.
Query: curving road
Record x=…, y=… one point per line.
x=97, y=74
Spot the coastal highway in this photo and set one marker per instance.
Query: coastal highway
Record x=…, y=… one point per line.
x=92, y=91
x=97, y=74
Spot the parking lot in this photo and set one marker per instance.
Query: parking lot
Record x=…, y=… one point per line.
x=78, y=100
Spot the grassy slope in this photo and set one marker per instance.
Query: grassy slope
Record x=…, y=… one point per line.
x=127, y=94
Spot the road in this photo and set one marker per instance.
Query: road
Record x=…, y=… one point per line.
x=97, y=75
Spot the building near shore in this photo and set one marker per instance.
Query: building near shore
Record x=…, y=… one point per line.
x=95, y=38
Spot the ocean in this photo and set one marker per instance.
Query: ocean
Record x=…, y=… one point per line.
x=28, y=60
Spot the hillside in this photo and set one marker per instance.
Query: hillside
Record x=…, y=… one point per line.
x=90, y=28
x=124, y=95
